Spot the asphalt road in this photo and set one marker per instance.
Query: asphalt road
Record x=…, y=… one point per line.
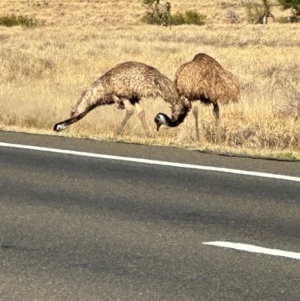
x=84, y=228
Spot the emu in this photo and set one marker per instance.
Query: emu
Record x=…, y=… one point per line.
x=124, y=86
x=206, y=80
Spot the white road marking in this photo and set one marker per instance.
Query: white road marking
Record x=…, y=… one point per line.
x=253, y=249
x=154, y=162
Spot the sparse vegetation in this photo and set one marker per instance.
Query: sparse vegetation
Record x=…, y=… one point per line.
x=258, y=13
x=233, y=17
x=16, y=20
x=188, y=17
x=44, y=71
x=283, y=20
x=159, y=13
x=294, y=6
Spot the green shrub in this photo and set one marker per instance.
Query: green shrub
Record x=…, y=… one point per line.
x=159, y=13
x=294, y=5
x=177, y=19
x=13, y=20
x=295, y=19
x=257, y=12
x=156, y=12
x=283, y=20
x=188, y=17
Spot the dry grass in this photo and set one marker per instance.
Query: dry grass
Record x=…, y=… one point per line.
x=43, y=71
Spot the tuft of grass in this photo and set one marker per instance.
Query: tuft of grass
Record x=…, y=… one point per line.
x=283, y=20
x=188, y=17
x=16, y=20
x=160, y=14
x=233, y=17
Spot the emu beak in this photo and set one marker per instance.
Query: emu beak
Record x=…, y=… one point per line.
x=158, y=126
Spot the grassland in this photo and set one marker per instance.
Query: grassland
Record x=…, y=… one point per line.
x=44, y=70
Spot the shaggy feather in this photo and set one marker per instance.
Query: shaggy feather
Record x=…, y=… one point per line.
x=202, y=79
x=206, y=80
x=127, y=81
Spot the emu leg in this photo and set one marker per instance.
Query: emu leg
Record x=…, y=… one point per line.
x=195, y=113
x=129, y=113
x=142, y=116
x=216, y=112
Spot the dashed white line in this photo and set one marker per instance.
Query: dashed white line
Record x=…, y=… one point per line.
x=154, y=162
x=253, y=249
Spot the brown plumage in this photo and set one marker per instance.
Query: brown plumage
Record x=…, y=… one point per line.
x=124, y=86
x=206, y=80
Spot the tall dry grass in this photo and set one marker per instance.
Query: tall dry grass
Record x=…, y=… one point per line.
x=44, y=70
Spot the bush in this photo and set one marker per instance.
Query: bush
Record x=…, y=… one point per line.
x=157, y=13
x=255, y=13
x=258, y=13
x=13, y=20
x=160, y=14
x=189, y=17
x=294, y=5
x=283, y=20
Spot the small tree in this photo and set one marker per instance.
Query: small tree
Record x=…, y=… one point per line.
x=294, y=5
x=160, y=14
x=258, y=13
x=157, y=12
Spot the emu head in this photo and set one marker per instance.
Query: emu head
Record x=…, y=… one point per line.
x=179, y=112
x=160, y=119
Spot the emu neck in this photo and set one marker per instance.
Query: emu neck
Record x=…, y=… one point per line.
x=179, y=117
x=171, y=123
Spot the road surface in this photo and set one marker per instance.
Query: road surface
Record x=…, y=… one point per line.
x=75, y=227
